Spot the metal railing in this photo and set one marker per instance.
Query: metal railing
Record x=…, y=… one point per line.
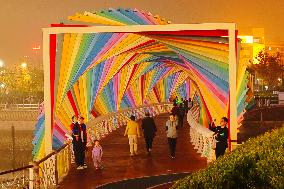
x=49, y=171
x=201, y=137
x=103, y=125
x=45, y=173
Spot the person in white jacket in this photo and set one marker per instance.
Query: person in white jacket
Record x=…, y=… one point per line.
x=171, y=129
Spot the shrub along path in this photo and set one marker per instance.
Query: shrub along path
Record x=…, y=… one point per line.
x=258, y=163
x=119, y=165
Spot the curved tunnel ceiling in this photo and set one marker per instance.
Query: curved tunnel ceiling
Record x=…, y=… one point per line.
x=98, y=73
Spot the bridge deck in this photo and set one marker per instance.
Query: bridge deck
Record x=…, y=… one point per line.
x=119, y=165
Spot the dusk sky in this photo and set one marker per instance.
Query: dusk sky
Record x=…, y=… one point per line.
x=22, y=20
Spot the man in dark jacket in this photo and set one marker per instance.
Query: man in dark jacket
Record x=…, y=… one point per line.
x=222, y=134
x=175, y=109
x=149, y=129
x=181, y=114
x=79, y=136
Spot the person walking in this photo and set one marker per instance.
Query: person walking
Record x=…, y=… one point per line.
x=83, y=129
x=132, y=130
x=171, y=130
x=149, y=129
x=175, y=109
x=185, y=104
x=181, y=113
x=221, y=134
x=79, y=141
x=97, y=154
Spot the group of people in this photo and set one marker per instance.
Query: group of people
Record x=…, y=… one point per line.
x=79, y=141
x=149, y=130
x=178, y=112
x=175, y=121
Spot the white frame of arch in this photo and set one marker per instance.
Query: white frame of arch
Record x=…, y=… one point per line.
x=231, y=27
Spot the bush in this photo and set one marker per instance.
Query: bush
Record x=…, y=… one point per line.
x=258, y=163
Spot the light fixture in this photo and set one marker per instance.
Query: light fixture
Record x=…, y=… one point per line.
x=24, y=65
x=1, y=63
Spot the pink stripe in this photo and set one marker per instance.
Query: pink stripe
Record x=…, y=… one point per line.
x=142, y=16
x=215, y=89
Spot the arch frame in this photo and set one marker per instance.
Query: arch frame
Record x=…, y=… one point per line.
x=49, y=45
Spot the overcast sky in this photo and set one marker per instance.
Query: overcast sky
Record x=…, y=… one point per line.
x=22, y=20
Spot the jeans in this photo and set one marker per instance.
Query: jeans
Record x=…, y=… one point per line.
x=172, y=145
x=148, y=142
x=220, y=149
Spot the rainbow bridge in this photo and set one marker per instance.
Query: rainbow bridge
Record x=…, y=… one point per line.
x=110, y=64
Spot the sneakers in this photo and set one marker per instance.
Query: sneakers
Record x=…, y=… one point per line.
x=80, y=167
x=173, y=157
x=131, y=155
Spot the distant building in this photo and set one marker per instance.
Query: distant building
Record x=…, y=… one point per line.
x=252, y=44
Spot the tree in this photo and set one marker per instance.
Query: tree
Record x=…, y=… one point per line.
x=268, y=68
x=22, y=83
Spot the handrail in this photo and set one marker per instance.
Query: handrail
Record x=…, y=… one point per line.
x=49, y=170
x=201, y=138
x=101, y=117
x=102, y=125
x=16, y=170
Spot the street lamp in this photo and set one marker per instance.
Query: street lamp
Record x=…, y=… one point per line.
x=1, y=63
x=24, y=65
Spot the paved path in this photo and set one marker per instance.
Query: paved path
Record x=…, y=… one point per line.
x=119, y=165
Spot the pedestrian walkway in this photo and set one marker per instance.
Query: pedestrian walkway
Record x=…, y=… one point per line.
x=119, y=165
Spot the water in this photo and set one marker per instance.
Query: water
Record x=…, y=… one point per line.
x=21, y=155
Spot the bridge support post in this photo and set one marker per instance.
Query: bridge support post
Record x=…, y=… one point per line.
x=233, y=84
x=34, y=182
x=47, y=92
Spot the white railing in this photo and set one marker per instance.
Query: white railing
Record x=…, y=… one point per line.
x=201, y=138
x=45, y=173
x=103, y=125
x=49, y=171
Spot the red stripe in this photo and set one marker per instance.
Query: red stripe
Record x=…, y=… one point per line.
x=59, y=130
x=131, y=58
x=52, y=56
x=71, y=100
x=67, y=25
x=142, y=86
x=141, y=45
x=132, y=73
x=94, y=113
x=210, y=33
x=156, y=93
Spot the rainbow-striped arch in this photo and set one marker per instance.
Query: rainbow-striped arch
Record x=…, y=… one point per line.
x=137, y=59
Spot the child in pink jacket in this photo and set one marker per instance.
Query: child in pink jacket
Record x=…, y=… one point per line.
x=97, y=154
